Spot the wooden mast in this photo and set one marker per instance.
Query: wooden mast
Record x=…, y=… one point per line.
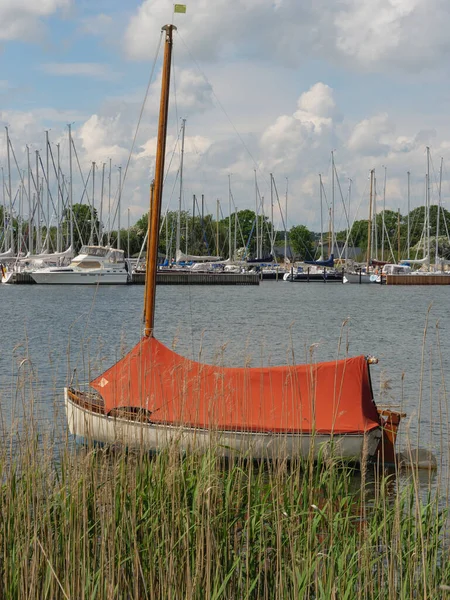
x=369, y=222
x=155, y=212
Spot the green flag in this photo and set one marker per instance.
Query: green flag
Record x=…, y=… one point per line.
x=179, y=8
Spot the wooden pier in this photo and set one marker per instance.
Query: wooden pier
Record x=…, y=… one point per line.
x=187, y=278
x=419, y=279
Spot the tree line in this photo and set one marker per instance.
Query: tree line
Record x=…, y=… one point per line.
x=204, y=235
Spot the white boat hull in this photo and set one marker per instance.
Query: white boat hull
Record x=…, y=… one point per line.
x=100, y=277
x=94, y=427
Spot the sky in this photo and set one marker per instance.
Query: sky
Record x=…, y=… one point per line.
x=265, y=86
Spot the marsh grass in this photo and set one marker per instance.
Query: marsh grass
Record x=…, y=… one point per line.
x=103, y=523
x=99, y=523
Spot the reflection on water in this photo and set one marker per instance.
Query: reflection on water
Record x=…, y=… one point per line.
x=76, y=332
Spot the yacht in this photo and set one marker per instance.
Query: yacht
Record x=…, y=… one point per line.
x=94, y=265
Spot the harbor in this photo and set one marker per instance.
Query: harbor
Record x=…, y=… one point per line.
x=180, y=418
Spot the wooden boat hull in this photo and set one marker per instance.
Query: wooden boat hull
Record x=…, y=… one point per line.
x=93, y=426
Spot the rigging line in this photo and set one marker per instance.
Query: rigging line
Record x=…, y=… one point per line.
x=342, y=196
x=18, y=170
x=237, y=214
x=85, y=183
x=50, y=193
x=152, y=72
x=444, y=211
x=174, y=85
x=222, y=108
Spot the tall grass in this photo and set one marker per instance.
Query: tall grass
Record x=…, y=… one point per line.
x=92, y=523
x=110, y=524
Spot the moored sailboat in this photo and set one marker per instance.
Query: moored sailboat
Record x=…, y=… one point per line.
x=154, y=396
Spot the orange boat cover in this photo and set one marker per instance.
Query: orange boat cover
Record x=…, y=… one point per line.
x=324, y=397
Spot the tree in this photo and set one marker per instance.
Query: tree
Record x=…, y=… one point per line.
x=301, y=241
x=85, y=225
x=417, y=222
x=246, y=232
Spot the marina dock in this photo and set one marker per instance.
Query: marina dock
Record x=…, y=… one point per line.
x=175, y=278
x=420, y=279
x=186, y=278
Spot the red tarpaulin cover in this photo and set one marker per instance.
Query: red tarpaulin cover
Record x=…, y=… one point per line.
x=324, y=397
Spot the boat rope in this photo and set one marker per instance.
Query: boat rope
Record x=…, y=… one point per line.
x=150, y=80
x=222, y=108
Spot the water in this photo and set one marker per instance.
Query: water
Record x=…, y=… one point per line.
x=73, y=333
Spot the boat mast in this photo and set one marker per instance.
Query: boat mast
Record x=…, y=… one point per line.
x=4, y=240
x=398, y=235
x=332, y=202
x=261, y=232
x=436, y=257
x=10, y=221
x=348, y=220
x=128, y=235
x=58, y=199
x=119, y=202
x=384, y=210
x=272, y=251
x=100, y=220
x=155, y=210
x=38, y=207
x=91, y=237
x=217, y=226
x=321, y=215
x=256, y=217
x=369, y=223
x=109, y=203
x=194, y=200
x=285, y=219
x=374, y=221
x=71, y=188
x=428, y=207
x=178, y=241
x=235, y=231
x=31, y=207
x=47, y=175
x=229, y=218
x=409, y=209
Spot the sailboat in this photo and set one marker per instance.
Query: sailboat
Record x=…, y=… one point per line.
x=153, y=396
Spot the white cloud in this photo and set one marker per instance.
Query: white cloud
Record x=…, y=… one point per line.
x=23, y=19
x=97, y=70
x=372, y=136
x=308, y=129
x=296, y=145
x=409, y=34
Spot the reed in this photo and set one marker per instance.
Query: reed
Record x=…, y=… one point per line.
x=97, y=523
x=103, y=523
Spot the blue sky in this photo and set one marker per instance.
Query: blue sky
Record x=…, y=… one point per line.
x=367, y=79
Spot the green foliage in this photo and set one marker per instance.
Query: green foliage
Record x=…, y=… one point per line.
x=246, y=232
x=301, y=241
x=85, y=225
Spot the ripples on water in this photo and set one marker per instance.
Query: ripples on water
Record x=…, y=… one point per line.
x=86, y=328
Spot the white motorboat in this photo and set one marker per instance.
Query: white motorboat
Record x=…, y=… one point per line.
x=94, y=265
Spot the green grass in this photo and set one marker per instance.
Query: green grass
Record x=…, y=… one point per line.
x=108, y=524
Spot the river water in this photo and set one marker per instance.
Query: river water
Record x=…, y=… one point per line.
x=50, y=334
